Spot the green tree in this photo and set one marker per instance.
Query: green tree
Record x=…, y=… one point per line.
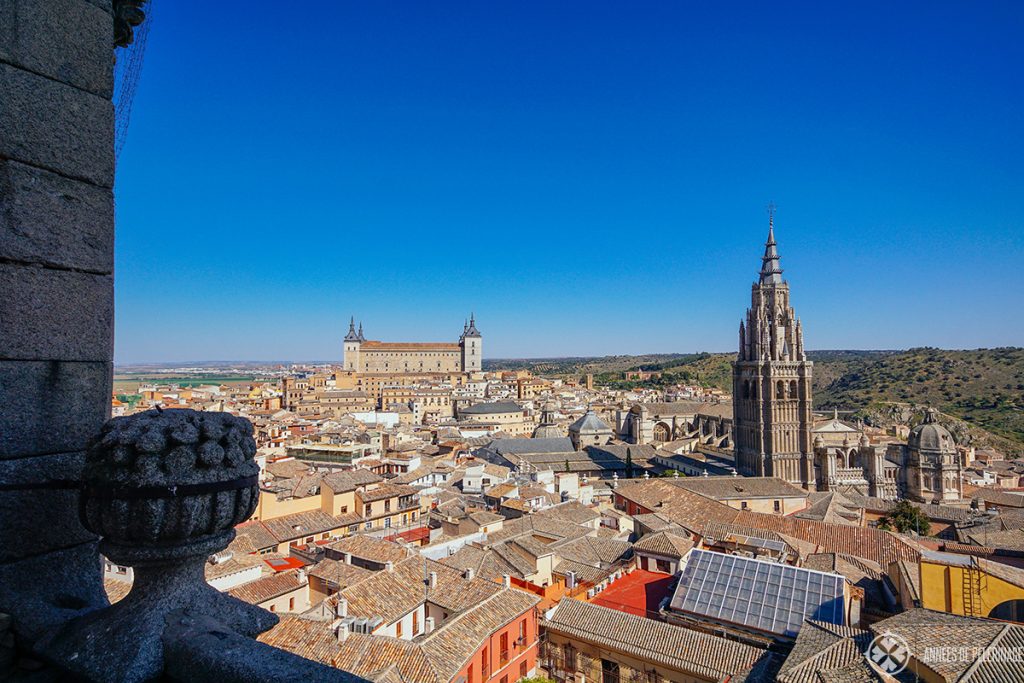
x=535, y=679
x=906, y=518
x=629, y=464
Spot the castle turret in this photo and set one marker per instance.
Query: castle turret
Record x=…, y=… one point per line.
x=472, y=344
x=353, y=342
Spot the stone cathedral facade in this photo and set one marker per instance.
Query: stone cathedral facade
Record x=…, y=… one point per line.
x=771, y=377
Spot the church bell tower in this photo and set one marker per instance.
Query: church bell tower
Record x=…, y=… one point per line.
x=771, y=380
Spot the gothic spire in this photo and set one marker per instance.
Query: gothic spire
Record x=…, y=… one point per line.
x=771, y=272
x=361, y=337
x=352, y=336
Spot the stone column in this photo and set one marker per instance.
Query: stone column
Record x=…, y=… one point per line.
x=56, y=296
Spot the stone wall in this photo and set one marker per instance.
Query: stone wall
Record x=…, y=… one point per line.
x=56, y=306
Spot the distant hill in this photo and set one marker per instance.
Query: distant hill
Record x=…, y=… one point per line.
x=983, y=388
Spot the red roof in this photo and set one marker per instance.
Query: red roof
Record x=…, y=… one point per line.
x=412, y=535
x=283, y=564
x=638, y=593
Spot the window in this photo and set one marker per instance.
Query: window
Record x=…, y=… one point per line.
x=522, y=631
x=743, y=505
x=398, y=629
x=273, y=608
x=523, y=671
x=344, y=509
x=503, y=651
x=778, y=506
x=369, y=525
x=291, y=604
x=415, y=623
x=609, y=671
x=504, y=679
x=469, y=674
x=485, y=664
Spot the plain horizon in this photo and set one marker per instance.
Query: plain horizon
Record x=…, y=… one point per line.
x=590, y=179
x=186, y=363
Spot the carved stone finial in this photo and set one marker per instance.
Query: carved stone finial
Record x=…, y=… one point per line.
x=127, y=15
x=164, y=491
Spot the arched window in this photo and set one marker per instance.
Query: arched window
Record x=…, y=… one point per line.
x=780, y=389
x=746, y=388
x=1010, y=610
x=792, y=389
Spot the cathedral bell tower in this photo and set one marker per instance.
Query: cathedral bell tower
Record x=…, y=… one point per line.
x=771, y=380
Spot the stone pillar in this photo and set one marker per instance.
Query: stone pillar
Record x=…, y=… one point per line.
x=56, y=306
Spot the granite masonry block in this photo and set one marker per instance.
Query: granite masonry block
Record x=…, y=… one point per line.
x=51, y=220
x=43, y=591
x=51, y=406
x=41, y=519
x=48, y=314
x=55, y=126
x=32, y=36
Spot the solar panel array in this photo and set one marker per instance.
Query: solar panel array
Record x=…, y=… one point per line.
x=767, y=596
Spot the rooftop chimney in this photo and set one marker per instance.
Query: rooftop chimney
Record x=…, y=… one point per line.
x=432, y=580
x=343, y=632
x=347, y=557
x=389, y=566
x=507, y=581
x=341, y=609
x=468, y=574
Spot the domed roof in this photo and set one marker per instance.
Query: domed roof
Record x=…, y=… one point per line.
x=930, y=435
x=548, y=431
x=590, y=423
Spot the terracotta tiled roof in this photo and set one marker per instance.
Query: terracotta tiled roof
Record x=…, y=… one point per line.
x=301, y=524
x=434, y=658
x=731, y=488
x=669, y=543
x=876, y=545
x=338, y=573
x=257, y=534
x=115, y=589
x=824, y=647
x=392, y=594
x=267, y=587
x=922, y=628
x=692, y=652
x=371, y=548
x=385, y=491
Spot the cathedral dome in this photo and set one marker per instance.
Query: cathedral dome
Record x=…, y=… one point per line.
x=930, y=435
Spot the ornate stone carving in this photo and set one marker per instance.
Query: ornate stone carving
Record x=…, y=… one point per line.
x=164, y=490
x=127, y=15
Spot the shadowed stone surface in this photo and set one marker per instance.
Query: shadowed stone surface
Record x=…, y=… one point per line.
x=31, y=34
x=55, y=126
x=51, y=220
x=51, y=406
x=20, y=511
x=164, y=489
x=46, y=590
x=55, y=314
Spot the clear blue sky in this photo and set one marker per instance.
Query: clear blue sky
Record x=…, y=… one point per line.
x=589, y=177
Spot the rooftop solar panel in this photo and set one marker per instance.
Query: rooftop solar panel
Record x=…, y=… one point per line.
x=767, y=596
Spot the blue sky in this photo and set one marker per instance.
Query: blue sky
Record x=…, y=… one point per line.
x=588, y=177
